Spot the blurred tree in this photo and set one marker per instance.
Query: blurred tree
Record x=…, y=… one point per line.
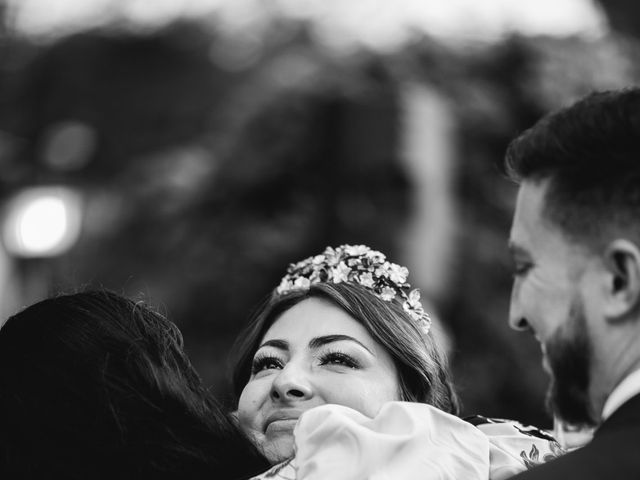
x=124, y=87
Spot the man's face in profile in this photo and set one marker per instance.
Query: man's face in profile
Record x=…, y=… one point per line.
x=547, y=299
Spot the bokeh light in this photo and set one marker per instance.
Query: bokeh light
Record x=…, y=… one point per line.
x=42, y=222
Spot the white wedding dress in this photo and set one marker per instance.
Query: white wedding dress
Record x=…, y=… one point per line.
x=409, y=441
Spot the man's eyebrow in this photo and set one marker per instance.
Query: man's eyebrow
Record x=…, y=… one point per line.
x=276, y=343
x=317, y=342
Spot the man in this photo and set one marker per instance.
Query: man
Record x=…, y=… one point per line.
x=575, y=242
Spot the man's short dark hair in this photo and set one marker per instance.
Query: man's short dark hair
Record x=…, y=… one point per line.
x=589, y=153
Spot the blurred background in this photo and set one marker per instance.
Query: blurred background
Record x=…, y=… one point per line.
x=186, y=151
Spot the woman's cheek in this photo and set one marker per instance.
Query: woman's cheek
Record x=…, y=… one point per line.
x=367, y=397
x=249, y=407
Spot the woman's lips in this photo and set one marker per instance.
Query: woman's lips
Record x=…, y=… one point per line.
x=282, y=421
x=281, y=426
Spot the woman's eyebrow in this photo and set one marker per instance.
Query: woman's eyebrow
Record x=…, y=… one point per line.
x=317, y=342
x=276, y=343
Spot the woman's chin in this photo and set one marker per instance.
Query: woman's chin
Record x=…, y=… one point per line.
x=278, y=449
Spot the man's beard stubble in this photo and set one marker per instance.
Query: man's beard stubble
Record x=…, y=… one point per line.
x=569, y=353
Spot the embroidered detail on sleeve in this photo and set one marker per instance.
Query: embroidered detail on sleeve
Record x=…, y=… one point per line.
x=533, y=458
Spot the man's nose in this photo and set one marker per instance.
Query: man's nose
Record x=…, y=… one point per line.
x=519, y=323
x=291, y=384
x=517, y=318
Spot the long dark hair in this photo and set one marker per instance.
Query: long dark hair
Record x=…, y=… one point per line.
x=424, y=376
x=93, y=385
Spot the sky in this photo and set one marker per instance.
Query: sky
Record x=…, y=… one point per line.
x=381, y=24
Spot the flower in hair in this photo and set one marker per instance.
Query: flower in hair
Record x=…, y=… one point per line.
x=302, y=283
x=340, y=273
x=366, y=280
x=357, y=264
x=356, y=250
x=398, y=274
x=387, y=294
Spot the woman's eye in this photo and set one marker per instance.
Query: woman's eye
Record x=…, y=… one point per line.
x=338, y=358
x=265, y=363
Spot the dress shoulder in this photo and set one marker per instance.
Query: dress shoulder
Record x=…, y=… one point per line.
x=515, y=447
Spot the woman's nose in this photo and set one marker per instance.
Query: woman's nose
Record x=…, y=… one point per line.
x=291, y=384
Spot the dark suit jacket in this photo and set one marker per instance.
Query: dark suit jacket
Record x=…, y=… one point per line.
x=613, y=454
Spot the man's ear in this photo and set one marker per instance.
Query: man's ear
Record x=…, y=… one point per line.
x=622, y=262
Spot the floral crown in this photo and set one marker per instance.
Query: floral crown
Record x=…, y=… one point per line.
x=360, y=265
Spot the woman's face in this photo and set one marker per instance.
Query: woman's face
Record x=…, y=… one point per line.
x=314, y=354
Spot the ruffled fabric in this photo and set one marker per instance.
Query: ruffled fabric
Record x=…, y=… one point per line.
x=407, y=441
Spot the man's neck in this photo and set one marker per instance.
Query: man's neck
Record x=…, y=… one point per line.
x=629, y=387
x=618, y=357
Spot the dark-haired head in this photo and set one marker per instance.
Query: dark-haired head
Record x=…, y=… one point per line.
x=93, y=385
x=420, y=363
x=575, y=241
x=588, y=154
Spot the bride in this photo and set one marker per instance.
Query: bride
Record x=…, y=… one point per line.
x=337, y=376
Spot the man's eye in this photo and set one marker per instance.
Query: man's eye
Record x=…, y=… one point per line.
x=521, y=269
x=265, y=363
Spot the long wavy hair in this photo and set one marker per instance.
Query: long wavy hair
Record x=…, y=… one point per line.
x=93, y=385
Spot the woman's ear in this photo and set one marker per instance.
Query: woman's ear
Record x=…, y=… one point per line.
x=622, y=289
